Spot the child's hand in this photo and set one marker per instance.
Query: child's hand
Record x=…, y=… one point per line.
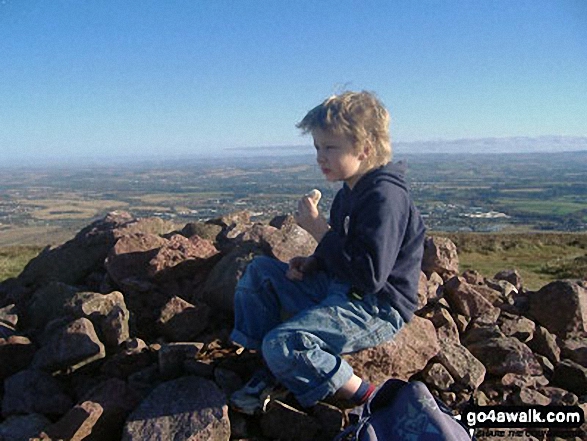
x=298, y=266
x=308, y=217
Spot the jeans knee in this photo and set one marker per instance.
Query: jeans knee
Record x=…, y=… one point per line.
x=277, y=350
x=281, y=349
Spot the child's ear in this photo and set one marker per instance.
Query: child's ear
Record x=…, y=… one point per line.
x=365, y=152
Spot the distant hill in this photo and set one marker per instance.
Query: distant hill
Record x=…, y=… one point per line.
x=515, y=144
x=518, y=144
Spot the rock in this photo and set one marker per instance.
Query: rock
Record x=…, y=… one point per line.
x=461, y=321
x=130, y=257
x=465, y=299
x=71, y=262
x=437, y=376
x=233, y=225
x=72, y=347
x=546, y=364
x=480, y=333
x=182, y=321
x=231, y=220
x=445, y=325
x=76, y=425
x=16, y=353
x=330, y=420
x=180, y=257
x=503, y=355
x=473, y=277
x=9, y=315
x=523, y=381
x=187, y=408
x=201, y=229
x=575, y=349
x=512, y=276
x=291, y=241
x=34, y=391
x=570, y=376
x=403, y=356
x=559, y=397
x=440, y=256
x=172, y=357
x=133, y=356
x=543, y=342
x=434, y=287
x=107, y=312
x=218, y=291
x=422, y=290
x=147, y=225
x=279, y=416
x=530, y=397
x=23, y=427
x=505, y=288
x=493, y=296
x=47, y=304
x=6, y=330
x=463, y=366
x=99, y=417
x=449, y=398
x=286, y=242
x=561, y=307
x=516, y=326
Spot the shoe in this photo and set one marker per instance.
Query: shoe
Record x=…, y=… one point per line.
x=254, y=396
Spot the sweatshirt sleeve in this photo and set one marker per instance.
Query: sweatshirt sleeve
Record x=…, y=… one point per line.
x=366, y=255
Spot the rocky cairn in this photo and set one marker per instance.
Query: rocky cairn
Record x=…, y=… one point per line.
x=122, y=334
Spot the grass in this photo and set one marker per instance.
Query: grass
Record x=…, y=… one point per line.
x=539, y=257
x=14, y=258
x=539, y=206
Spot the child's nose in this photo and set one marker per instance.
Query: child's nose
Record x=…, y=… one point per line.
x=320, y=157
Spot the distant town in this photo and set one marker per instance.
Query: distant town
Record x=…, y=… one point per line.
x=473, y=193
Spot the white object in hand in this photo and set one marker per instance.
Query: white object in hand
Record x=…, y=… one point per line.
x=315, y=196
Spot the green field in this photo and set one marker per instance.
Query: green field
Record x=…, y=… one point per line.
x=558, y=207
x=539, y=257
x=14, y=258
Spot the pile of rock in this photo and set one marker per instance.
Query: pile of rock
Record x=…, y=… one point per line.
x=122, y=333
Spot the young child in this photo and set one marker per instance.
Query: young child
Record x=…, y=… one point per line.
x=360, y=285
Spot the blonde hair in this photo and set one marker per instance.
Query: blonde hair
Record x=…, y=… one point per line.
x=358, y=115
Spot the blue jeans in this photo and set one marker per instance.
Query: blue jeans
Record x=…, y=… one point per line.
x=321, y=322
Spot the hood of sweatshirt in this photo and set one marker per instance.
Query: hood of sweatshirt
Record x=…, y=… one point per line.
x=392, y=172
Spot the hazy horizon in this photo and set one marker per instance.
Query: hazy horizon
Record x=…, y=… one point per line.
x=480, y=146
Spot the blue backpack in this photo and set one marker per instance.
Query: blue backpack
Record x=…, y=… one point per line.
x=405, y=411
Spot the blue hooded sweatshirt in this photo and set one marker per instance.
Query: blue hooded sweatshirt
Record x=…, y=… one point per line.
x=377, y=239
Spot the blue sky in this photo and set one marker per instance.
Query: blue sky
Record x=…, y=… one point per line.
x=107, y=78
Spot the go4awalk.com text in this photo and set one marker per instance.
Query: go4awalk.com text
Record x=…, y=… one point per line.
x=524, y=421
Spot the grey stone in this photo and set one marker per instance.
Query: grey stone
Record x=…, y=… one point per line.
x=504, y=355
x=187, y=408
x=72, y=347
x=440, y=256
x=34, y=391
x=107, y=312
x=23, y=427
x=561, y=307
x=464, y=367
x=570, y=376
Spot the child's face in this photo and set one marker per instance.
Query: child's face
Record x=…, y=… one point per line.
x=337, y=157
